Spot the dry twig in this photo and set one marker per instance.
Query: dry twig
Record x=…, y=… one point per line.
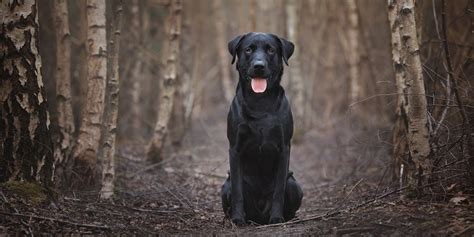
x=56, y=220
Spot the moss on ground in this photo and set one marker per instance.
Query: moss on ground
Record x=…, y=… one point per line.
x=33, y=192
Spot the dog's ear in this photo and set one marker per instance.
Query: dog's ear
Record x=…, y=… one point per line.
x=234, y=44
x=287, y=49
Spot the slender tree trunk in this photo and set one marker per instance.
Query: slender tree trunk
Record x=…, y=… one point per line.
x=169, y=81
x=409, y=79
x=418, y=135
x=86, y=151
x=196, y=68
x=400, y=145
x=137, y=70
x=224, y=60
x=193, y=104
x=353, y=50
x=320, y=24
x=330, y=61
x=80, y=68
x=25, y=140
x=111, y=112
x=184, y=95
x=295, y=76
x=63, y=88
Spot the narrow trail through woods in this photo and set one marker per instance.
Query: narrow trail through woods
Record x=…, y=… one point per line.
x=335, y=167
x=339, y=166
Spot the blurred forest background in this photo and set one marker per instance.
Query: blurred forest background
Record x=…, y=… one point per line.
x=138, y=91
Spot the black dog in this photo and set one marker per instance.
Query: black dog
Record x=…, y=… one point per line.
x=259, y=128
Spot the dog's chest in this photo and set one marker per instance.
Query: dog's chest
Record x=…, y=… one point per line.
x=265, y=137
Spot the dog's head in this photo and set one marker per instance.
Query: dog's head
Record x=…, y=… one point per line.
x=260, y=59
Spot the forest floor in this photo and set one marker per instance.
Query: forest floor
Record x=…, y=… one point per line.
x=341, y=168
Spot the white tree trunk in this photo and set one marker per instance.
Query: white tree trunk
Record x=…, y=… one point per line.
x=111, y=112
x=400, y=144
x=86, y=151
x=418, y=134
x=168, y=82
x=408, y=69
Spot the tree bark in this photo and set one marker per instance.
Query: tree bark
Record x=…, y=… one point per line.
x=79, y=59
x=86, y=151
x=400, y=145
x=25, y=141
x=168, y=84
x=409, y=78
x=111, y=112
x=224, y=60
x=295, y=76
x=63, y=88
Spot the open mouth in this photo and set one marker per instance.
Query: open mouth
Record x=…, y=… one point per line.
x=259, y=85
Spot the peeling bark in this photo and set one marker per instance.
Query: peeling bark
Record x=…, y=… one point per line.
x=111, y=112
x=86, y=151
x=400, y=145
x=25, y=141
x=168, y=84
x=412, y=104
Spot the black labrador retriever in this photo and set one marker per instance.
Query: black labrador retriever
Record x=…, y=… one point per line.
x=260, y=187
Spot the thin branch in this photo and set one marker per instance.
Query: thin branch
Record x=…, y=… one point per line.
x=56, y=220
x=334, y=213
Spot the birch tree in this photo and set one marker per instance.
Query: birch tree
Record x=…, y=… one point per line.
x=353, y=50
x=400, y=145
x=63, y=87
x=412, y=101
x=168, y=83
x=111, y=111
x=86, y=150
x=25, y=141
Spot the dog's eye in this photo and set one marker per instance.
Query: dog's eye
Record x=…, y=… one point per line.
x=271, y=51
x=248, y=50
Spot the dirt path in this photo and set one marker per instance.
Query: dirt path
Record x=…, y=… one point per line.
x=339, y=166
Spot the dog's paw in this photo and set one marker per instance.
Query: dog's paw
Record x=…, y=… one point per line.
x=238, y=221
x=276, y=220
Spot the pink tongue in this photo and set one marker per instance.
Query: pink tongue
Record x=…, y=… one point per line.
x=259, y=85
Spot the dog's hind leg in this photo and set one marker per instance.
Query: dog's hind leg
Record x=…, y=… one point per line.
x=293, y=197
x=226, y=197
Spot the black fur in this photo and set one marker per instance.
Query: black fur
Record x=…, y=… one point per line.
x=260, y=187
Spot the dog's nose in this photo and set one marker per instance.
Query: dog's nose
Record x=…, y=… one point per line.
x=259, y=65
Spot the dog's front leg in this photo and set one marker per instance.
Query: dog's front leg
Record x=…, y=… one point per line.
x=276, y=214
x=237, y=204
